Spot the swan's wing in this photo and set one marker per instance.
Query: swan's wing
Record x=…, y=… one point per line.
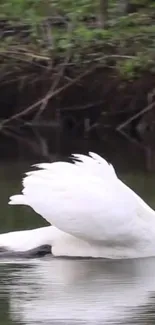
x=84, y=199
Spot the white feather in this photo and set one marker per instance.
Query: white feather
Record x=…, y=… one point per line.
x=86, y=200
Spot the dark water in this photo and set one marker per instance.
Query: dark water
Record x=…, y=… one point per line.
x=60, y=291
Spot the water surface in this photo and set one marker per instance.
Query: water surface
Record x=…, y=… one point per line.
x=58, y=291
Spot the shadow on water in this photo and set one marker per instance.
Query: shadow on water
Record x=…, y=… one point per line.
x=54, y=291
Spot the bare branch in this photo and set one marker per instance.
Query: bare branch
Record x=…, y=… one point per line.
x=48, y=96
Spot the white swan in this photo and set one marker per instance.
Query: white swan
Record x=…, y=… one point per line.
x=92, y=212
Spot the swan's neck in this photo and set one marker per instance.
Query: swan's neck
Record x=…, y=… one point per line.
x=63, y=244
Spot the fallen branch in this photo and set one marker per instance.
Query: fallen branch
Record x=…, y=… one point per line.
x=82, y=107
x=132, y=118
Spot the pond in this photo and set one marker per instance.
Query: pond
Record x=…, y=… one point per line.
x=65, y=291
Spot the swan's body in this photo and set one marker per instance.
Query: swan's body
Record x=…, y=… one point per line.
x=92, y=212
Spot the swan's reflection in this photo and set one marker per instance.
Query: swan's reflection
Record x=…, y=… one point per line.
x=91, y=291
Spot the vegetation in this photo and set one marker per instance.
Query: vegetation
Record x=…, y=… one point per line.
x=79, y=33
x=69, y=38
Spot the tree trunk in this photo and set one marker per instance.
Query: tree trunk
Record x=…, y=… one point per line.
x=103, y=14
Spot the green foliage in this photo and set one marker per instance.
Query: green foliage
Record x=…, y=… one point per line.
x=127, y=45
x=131, y=68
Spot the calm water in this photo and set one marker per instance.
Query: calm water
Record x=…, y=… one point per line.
x=59, y=291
